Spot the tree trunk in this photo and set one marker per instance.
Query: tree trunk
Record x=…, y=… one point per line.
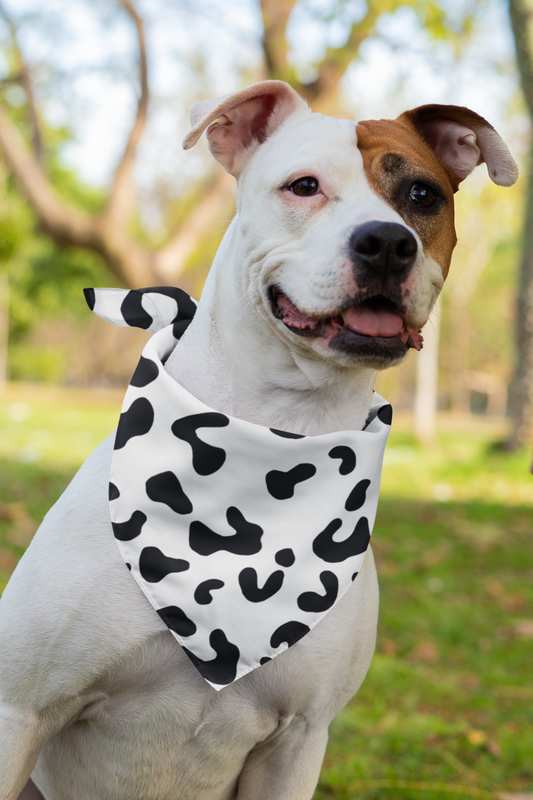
x=427, y=376
x=461, y=346
x=521, y=387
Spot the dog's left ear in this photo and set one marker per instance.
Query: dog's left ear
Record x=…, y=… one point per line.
x=240, y=122
x=461, y=139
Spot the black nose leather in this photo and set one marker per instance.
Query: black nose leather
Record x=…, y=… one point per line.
x=383, y=249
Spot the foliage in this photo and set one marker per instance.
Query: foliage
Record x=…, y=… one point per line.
x=45, y=280
x=448, y=695
x=48, y=285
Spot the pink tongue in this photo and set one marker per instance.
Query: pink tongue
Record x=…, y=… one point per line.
x=373, y=323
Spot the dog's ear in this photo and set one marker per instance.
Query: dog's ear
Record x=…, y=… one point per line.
x=461, y=139
x=239, y=122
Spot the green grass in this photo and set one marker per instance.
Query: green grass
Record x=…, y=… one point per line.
x=449, y=695
x=448, y=702
x=45, y=435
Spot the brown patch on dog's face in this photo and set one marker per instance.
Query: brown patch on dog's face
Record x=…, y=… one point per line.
x=402, y=170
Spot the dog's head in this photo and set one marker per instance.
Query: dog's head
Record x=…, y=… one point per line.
x=345, y=230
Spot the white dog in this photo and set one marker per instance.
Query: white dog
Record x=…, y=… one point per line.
x=339, y=248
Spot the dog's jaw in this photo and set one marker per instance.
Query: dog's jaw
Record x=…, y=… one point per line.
x=233, y=360
x=368, y=328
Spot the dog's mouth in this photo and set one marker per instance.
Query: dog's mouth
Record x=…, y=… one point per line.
x=370, y=326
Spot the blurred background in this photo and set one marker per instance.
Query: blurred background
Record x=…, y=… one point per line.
x=96, y=191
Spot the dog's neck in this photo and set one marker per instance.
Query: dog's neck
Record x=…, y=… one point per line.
x=234, y=361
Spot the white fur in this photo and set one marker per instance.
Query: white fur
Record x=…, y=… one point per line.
x=92, y=684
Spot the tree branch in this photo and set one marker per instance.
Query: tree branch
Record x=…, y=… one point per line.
x=130, y=262
x=520, y=16
x=171, y=259
x=63, y=223
x=337, y=60
x=25, y=80
x=276, y=15
x=122, y=196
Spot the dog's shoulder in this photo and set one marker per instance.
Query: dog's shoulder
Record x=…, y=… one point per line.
x=71, y=604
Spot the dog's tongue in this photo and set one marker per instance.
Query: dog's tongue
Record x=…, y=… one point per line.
x=373, y=323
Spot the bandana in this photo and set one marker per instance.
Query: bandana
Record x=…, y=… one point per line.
x=241, y=537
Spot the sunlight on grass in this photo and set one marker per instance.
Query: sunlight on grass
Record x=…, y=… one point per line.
x=448, y=702
x=463, y=464
x=55, y=427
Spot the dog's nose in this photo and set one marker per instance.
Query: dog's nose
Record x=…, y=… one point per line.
x=383, y=248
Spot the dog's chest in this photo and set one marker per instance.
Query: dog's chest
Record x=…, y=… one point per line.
x=156, y=709
x=146, y=703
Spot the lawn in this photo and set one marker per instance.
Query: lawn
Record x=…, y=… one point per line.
x=448, y=702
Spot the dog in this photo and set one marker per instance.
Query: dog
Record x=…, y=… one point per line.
x=340, y=245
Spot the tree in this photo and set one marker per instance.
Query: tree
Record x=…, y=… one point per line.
x=108, y=232
x=521, y=387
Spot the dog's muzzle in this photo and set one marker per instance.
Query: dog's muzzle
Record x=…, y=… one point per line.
x=382, y=252
x=372, y=324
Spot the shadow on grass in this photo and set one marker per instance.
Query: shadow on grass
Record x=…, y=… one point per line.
x=448, y=698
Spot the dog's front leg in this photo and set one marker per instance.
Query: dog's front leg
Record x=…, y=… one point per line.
x=287, y=767
x=21, y=739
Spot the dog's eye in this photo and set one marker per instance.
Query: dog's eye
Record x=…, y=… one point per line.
x=423, y=195
x=304, y=187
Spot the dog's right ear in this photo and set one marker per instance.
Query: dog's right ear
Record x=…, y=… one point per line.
x=240, y=122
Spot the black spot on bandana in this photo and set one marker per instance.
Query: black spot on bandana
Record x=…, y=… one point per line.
x=287, y=434
x=333, y=552
x=179, y=328
x=90, y=297
x=285, y=558
x=113, y=491
x=126, y=531
x=281, y=485
x=289, y=632
x=311, y=601
x=133, y=311
x=245, y=542
x=356, y=498
x=206, y=459
x=347, y=457
x=265, y=660
x=146, y=372
x=222, y=669
x=203, y=591
x=354, y=576
x=177, y=620
x=186, y=308
x=154, y=565
x=136, y=421
x=250, y=589
x=385, y=414
x=166, y=488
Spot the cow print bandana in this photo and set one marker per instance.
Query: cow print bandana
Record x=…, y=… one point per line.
x=241, y=537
